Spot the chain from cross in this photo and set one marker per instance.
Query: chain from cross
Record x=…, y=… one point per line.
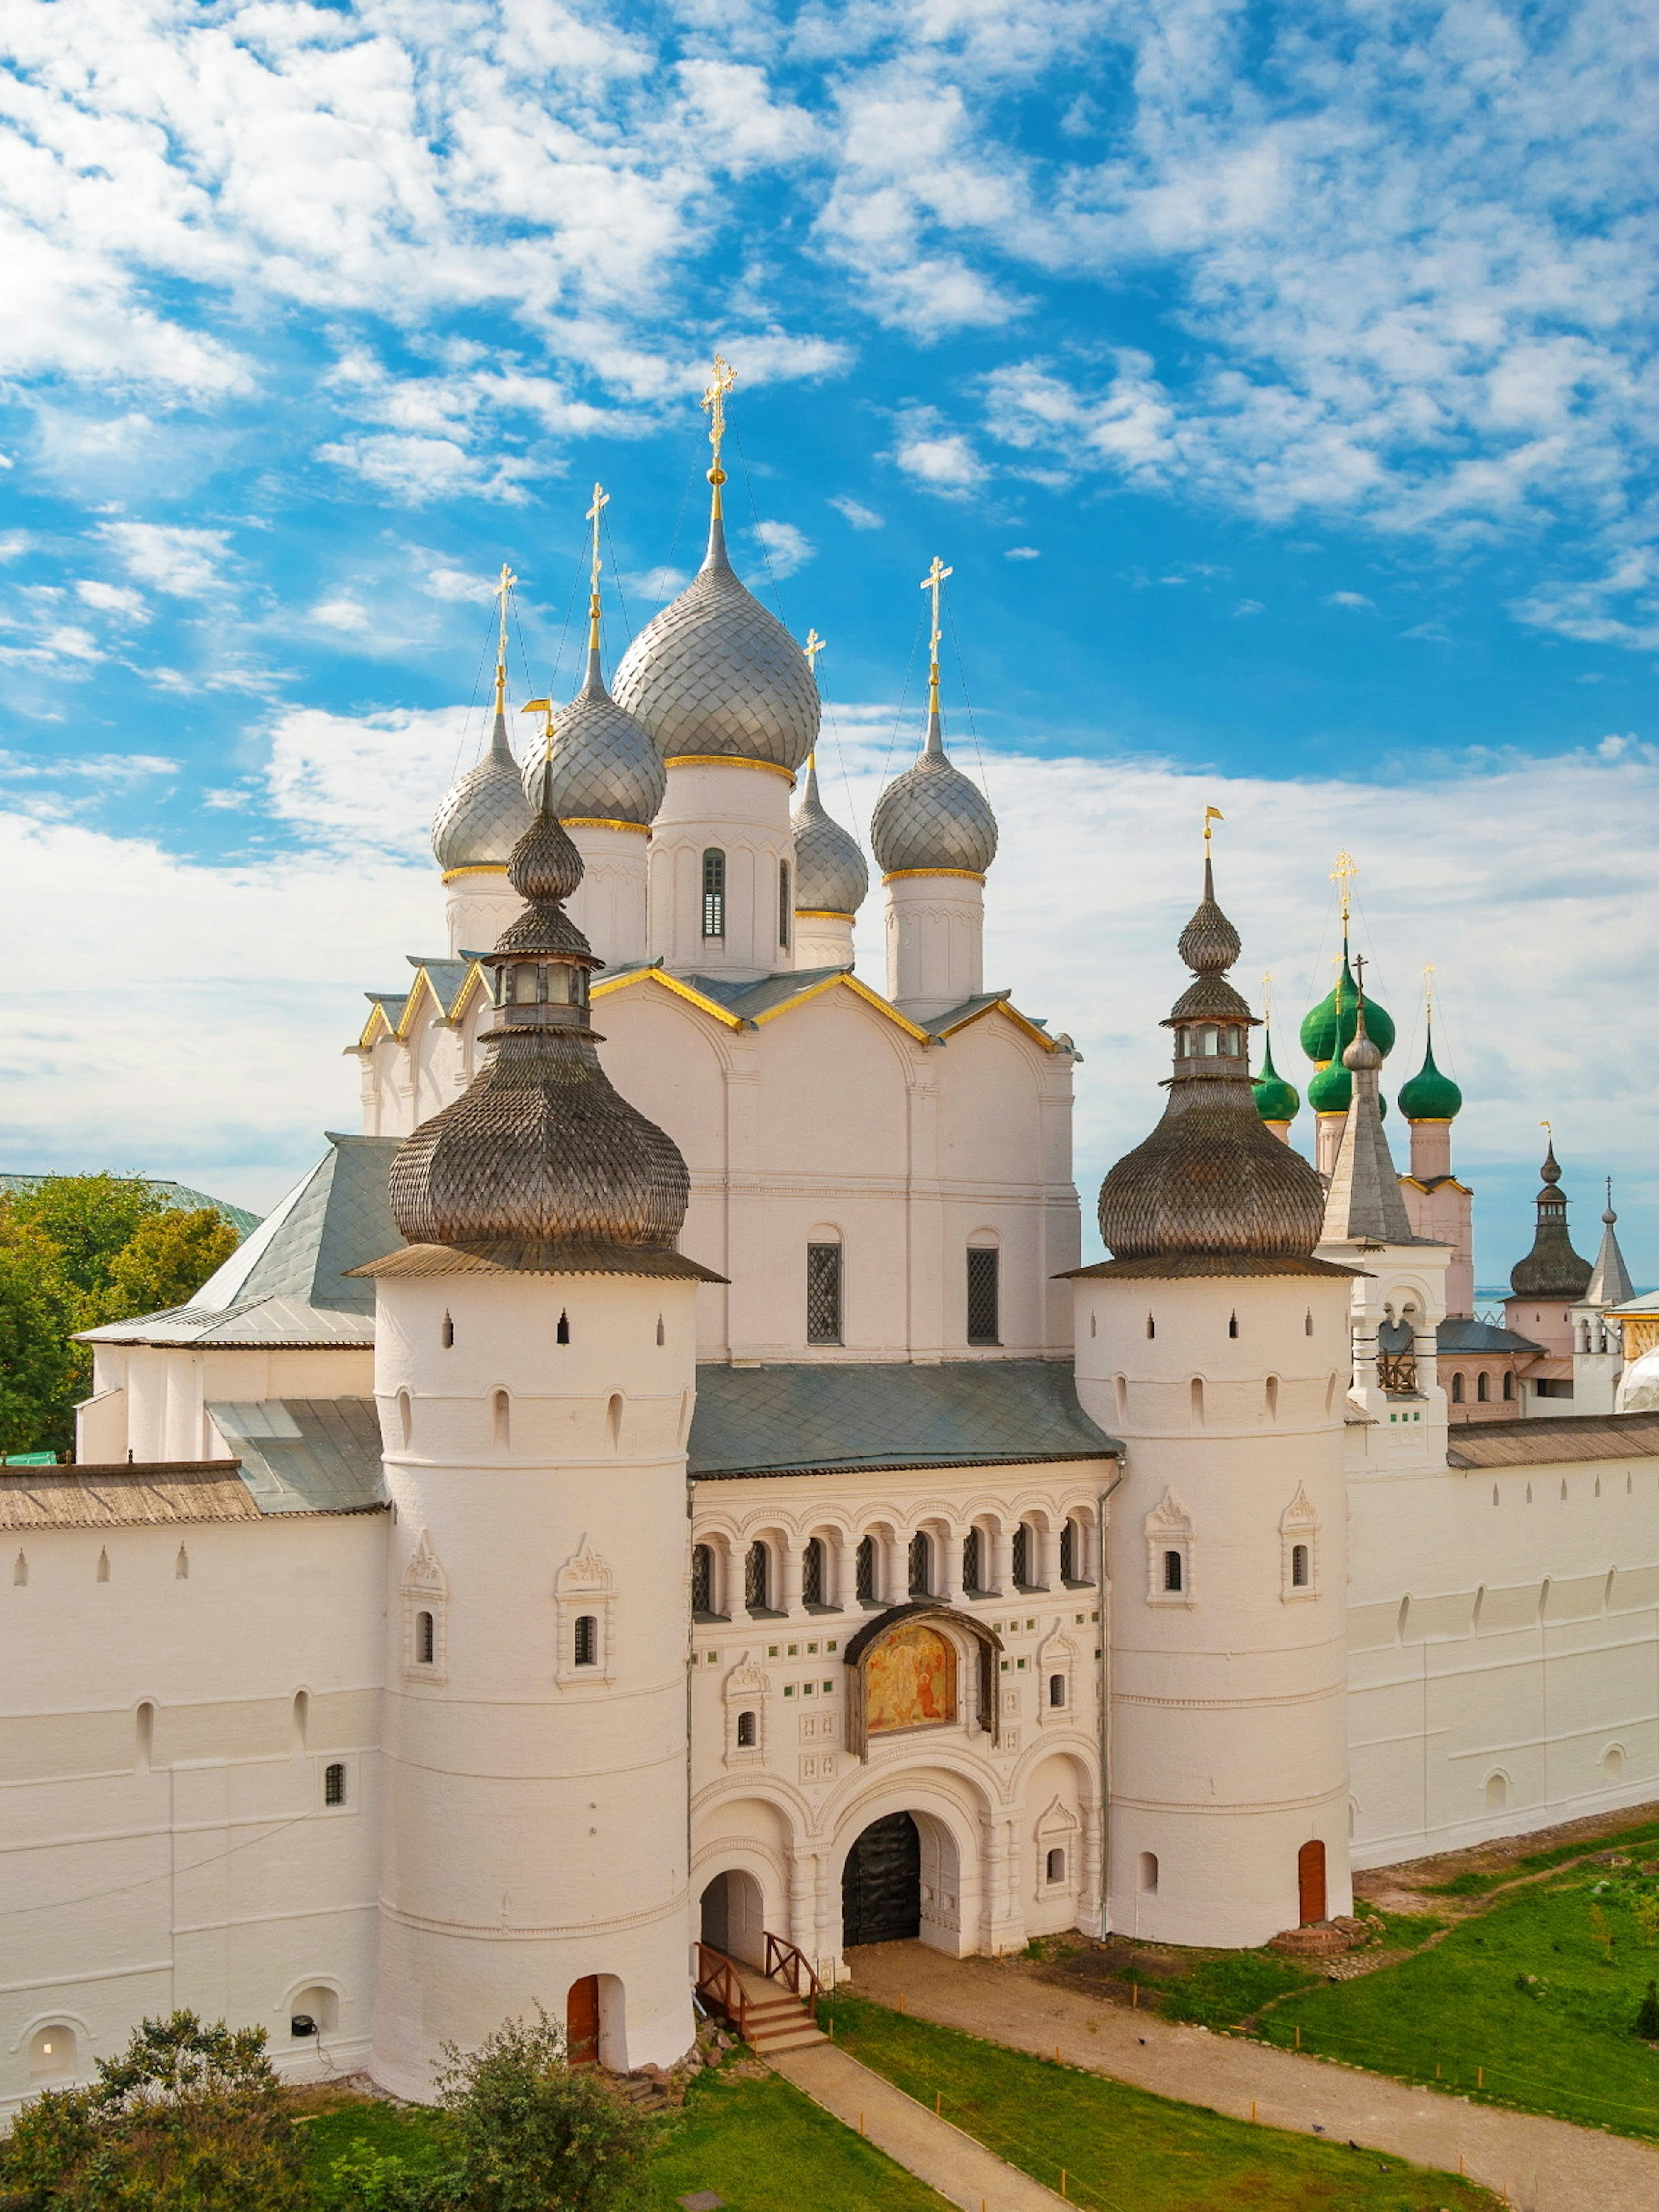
x=601, y=501
x=931, y=582
x=813, y=646
x=724, y=381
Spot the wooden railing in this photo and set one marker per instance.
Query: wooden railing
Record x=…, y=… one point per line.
x=786, y=1964
x=1396, y=1372
x=719, y=1988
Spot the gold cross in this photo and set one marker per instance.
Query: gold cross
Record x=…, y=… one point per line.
x=503, y=590
x=1428, y=988
x=713, y=399
x=601, y=501
x=813, y=646
x=931, y=582
x=1267, y=997
x=1343, y=874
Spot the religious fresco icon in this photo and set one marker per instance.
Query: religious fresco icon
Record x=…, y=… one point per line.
x=910, y=1679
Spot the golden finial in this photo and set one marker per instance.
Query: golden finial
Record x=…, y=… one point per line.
x=1266, y=998
x=1211, y=814
x=713, y=399
x=1550, y=1126
x=931, y=582
x=601, y=501
x=813, y=646
x=543, y=706
x=504, y=584
x=1342, y=875
x=1428, y=990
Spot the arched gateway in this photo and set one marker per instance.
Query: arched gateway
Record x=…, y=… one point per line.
x=881, y=1883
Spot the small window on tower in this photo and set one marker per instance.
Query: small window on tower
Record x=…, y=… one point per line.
x=1172, y=1575
x=1300, y=1575
x=983, y=1295
x=561, y=1334
x=449, y=1332
x=587, y=1651
x=783, y=904
x=713, y=892
x=426, y=1639
x=334, y=1784
x=823, y=1294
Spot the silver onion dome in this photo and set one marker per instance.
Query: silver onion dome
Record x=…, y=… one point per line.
x=486, y=812
x=1211, y=1178
x=932, y=817
x=830, y=874
x=540, y=1164
x=605, y=768
x=715, y=673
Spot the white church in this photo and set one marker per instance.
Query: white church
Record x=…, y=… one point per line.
x=668, y=1490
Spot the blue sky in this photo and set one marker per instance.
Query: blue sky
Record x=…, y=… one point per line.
x=1279, y=381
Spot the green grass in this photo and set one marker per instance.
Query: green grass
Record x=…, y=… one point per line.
x=759, y=2144
x=1125, y=2151
x=1559, y=2042
x=1473, y=1884
x=1230, y=1986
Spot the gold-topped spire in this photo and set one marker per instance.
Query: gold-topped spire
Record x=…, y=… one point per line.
x=713, y=399
x=504, y=584
x=931, y=582
x=601, y=501
x=813, y=646
x=1211, y=814
x=1342, y=875
x=1267, y=999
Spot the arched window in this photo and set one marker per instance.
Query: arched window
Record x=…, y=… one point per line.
x=448, y=1332
x=1053, y=1865
x=1299, y=1566
x=1173, y=1577
x=1056, y=1690
x=865, y=1570
x=748, y=1731
x=824, y=1293
x=426, y=1639
x=812, y=1572
x=921, y=1564
x=984, y=1294
x=561, y=1334
x=1022, y=1560
x=1457, y=1390
x=301, y=1719
x=1509, y=1387
x=1149, y=1873
x=703, y=1581
x=53, y=2054
x=405, y=1419
x=334, y=1784
x=501, y=1420
x=1270, y=1397
x=713, y=892
x=1067, y=1552
x=972, y=1581
x=1307, y=1322
x=1232, y=1325
x=613, y=1414
x=783, y=905
x=757, y=1578
x=1482, y=1386
x=586, y=1651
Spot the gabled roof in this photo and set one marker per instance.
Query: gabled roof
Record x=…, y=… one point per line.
x=123, y=1497
x=737, y=1005
x=804, y=1418
x=291, y=1282
x=1474, y=1337
x=448, y=983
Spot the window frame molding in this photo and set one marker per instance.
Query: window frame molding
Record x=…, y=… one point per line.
x=426, y=1590
x=585, y=1585
x=1169, y=1528
x=1298, y=1524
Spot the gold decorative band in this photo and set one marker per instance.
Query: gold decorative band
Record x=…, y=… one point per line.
x=822, y=914
x=903, y=875
x=602, y=822
x=483, y=868
x=730, y=760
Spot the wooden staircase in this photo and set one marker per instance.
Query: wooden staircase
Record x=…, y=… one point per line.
x=772, y=2011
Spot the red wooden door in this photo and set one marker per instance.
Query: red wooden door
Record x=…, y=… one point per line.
x=581, y=2022
x=1310, y=1881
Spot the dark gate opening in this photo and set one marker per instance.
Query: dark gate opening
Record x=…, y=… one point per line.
x=881, y=1884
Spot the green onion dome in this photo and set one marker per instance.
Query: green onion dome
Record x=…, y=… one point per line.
x=1329, y=1029
x=1430, y=1096
x=1276, y=1099
x=1331, y=1088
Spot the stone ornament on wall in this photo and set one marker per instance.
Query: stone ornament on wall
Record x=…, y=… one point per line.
x=584, y=1590
x=748, y=1691
x=1299, y=1529
x=1169, y=1537
x=426, y=1599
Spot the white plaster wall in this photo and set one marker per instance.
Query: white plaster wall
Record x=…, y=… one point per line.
x=935, y=941
x=822, y=940
x=205, y=1872
x=610, y=904
x=536, y=1828
x=478, y=904
x=151, y=1400
x=1228, y=1748
x=741, y=807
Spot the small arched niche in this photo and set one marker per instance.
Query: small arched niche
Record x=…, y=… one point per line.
x=54, y=2054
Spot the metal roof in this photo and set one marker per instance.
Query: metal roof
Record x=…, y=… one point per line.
x=801, y=1418
x=1477, y=1336
x=1555, y=1440
x=123, y=1497
x=305, y=1454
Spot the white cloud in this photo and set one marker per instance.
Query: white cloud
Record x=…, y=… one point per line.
x=14, y=544
x=116, y=599
x=788, y=549
x=185, y=563
x=1249, y=607
x=1022, y=553
x=1355, y=599
x=418, y=469
x=943, y=459
x=1621, y=607
x=346, y=615
x=855, y=512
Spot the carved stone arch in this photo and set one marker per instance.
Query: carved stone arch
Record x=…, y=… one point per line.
x=967, y=1637
x=584, y=1602
x=1056, y=1655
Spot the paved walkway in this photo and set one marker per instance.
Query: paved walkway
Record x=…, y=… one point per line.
x=1545, y=2166
x=933, y=2150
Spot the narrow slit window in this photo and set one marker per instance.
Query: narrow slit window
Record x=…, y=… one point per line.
x=812, y=1572
x=865, y=1570
x=713, y=892
x=334, y=1784
x=1174, y=1576
x=823, y=1294
x=703, y=1578
x=984, y=1295
x=426, y=1639
x=1300, y=1567
x=587, y=1651
x=783, y=905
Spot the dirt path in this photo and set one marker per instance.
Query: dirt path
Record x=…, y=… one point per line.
x=1544, y=2166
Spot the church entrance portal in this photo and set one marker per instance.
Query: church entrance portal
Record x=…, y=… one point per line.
x=733, y=1916
x=1310, y=1881
x=881, y=1883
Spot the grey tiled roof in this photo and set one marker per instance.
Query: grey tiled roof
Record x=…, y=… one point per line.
x=1477, y=1336
x=445, y=976
x=305, y=1454
x=796, y=1417
x=1554, y=1440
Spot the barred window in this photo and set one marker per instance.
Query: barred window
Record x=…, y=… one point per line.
x=756, y=1578
x=703, y=1578
x=983, y=1273
x=823, y=1294
x=713, y=892
x=1298, y=1566
x=334, y=1786
x=971, y=1570
x=587, y=1652
x=1068, y=1549
x=1022, y=1557
x=811, y=1573
x=921, y=1564
x=783, y=904
x=748, y=1731
x=865, y=1570
x=426, y=1639
x=1172, y=1575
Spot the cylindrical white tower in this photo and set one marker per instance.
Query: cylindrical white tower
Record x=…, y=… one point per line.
x=934, y=836
x=722, y=868
x=1216, y=1347
x=535, y=1353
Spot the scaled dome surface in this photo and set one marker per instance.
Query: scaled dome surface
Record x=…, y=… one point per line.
x=485, y=813
x=715, y=673
x=605, y=767
x=1328, y=1029
x=933, y=818
x=831, y=876
x=1429, y=1095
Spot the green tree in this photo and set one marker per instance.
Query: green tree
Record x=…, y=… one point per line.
x=536, y=2134
x=166, y=1260
x=42, y=1372
x=91, y=1218
x=1647, y=2016
x=190, y=2119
